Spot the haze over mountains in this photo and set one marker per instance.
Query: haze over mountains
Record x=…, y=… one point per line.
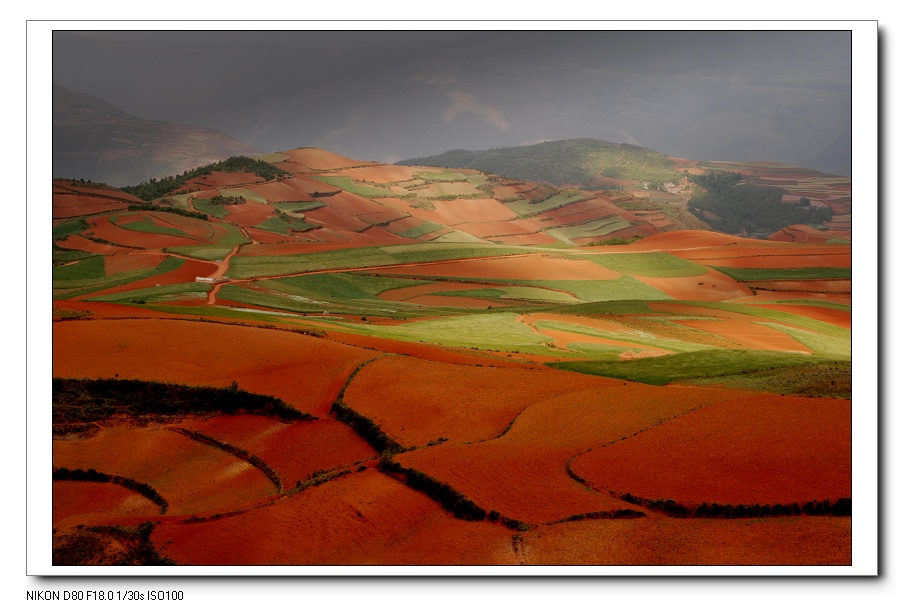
x=92, y=139
x=386, y=96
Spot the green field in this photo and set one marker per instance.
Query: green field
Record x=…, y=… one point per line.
x=422, y=229
x=746, y=274
x=651, y=264
x=525, y=208
x=349, y=185
x=442, y=176
x=229, y=238
x=247, y=193
x=284, y=225
x=370, y=256
x=147, y=225
x=203, y=205
x=87, y=276
x=69, y=227
x=593, y=228
x=298, y=206
x=669, y=368
x=637, y=337
x=165, y=293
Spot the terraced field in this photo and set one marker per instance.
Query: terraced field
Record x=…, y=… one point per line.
x=476, y=374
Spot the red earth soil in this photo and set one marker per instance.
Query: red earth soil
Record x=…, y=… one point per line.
x=220, y=179
x=360, y=519
x=104, y=229
x=841, y=318
x=671, y=541
x=387, y=215
x=335, y=218
x=503, y=228
x=762, y=449
x=417, y=401
x=779, y=261
x=249, y=213
x=577, y=217
x=77, y=242
x=91, y=503
x=423, y=351
x=193, y=477
x=317, y=159
x=352, y=204
x=564, y=338
x=277, y=191
x=778, y=254
x=381, y=174
x=381, y=236
x=671, y=240
x=460, y=211
x=119, y=195
x=518, y=267
x=69, y=206
x=117, y=264
x=748, y=334
x=713, y=286
x=530, y=239
x=294, y=450
x=184, y=273
x=305, y=371
x=801, y=234
x=522, y=474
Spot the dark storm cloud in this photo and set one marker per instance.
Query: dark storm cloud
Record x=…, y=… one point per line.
x=781, y=96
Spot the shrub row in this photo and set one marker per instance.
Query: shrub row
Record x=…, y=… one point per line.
x=76, y=400
x=451, y=499
x=247, y=456
x=170, y=210
x=838, y=508
x=77, y=474
x=365, y=428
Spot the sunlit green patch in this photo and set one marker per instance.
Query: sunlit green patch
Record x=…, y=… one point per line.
x=349, y=185
x=649, y=264
x=164, y=293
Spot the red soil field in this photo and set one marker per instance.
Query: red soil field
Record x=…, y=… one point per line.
x=460, y=211
x=90, y=503
x=381, y=174
x=77, y=242
x=841, y=259
x=840, y=318
x=115, y=193
x=191, y=476
x=268, y=237
x=590, y=210
x=801, y=234
x=69, y=206
x=381, y=236
x=530, y=239
x=361, y=519
x=274, y=191
x=713, y=286
x=671, y=240
x=387, y=215
x=117, y=264
x=335, y=219
x=748, y=334
x=522, y=474
x=670, y=541
x=779, y=254
x=106, y=230
x=249, y=213
x=760, y=449
x=503, y=228
x=351, y=204
x=519, y=267
x=454, y=301
x=308, y=185
x=294, y=450
x=505, y=192
x=304, y=371
x=317, y=159
x=222, y=179
x=417, y=401
x=423, y=351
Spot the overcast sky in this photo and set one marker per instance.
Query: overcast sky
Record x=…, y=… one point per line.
x=780, y=96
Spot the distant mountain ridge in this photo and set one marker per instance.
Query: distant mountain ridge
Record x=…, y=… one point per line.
x=592, y=163
x=95, y=140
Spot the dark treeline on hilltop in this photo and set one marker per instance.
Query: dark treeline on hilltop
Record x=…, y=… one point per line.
x=744, y=209
x=569, y=161
x=154, y=188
